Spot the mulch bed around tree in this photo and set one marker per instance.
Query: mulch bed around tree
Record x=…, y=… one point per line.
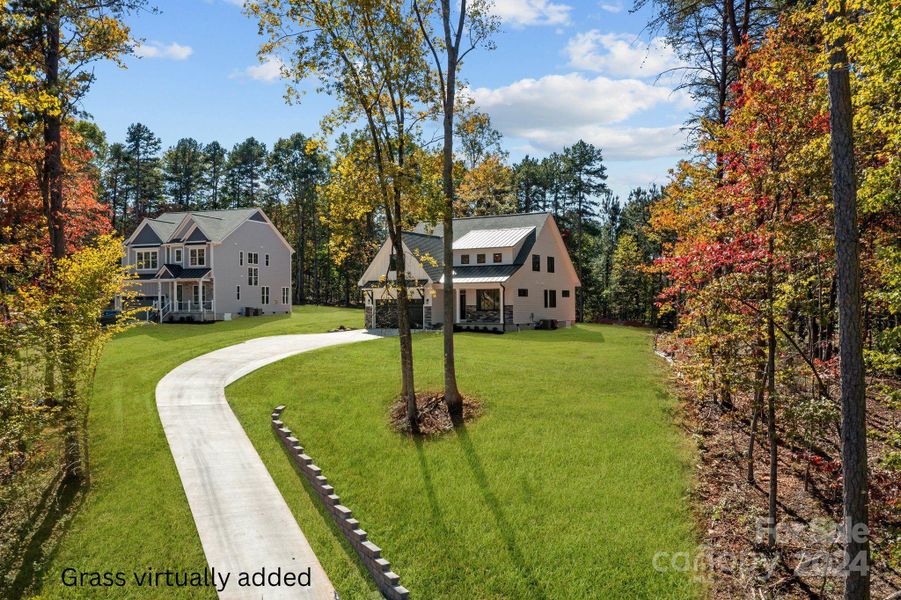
x=433, y=416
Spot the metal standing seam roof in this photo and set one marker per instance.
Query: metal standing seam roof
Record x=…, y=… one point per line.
x=427, y=240
x=485, y=274
x=492, y=238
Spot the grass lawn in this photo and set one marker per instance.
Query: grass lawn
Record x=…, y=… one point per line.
x=135, y=514
x=566, y=488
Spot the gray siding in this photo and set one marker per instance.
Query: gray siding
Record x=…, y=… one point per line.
x=251, y=236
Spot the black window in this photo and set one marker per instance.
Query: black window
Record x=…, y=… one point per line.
x=565, y=293
x=536, y=262
x=498, y=257
x=550, y=298
x=464, y=259
x=523, y=293
x=480, y=258
x=488, y=299
x=392, y=262
x=550, y=264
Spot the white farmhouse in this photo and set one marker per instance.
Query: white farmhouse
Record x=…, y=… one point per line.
x=211, y=265
x=510, y=272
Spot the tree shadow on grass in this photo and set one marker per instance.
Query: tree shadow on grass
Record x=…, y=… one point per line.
x=327, y=517
x=52, y=516
x=503, y=524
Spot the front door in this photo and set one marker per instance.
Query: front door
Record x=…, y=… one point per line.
x=179, y=296
x=462, y=305
x=196, y=296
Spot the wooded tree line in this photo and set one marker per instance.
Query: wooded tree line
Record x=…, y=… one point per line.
x=780, y=326
x=137, y=178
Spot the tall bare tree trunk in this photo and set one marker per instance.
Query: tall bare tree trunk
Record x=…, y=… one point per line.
x=771, y=407
x=451, y=392
x=853, y=394
x=408, y=389
x=52, y=166
x=300, y=235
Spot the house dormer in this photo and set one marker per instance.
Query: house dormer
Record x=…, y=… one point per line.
x=481, y=247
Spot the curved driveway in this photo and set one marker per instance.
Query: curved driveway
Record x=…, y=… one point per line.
x=243, y=521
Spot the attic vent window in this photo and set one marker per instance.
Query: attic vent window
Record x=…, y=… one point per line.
x=480, y=258
x=498, y=257
x=464, y=259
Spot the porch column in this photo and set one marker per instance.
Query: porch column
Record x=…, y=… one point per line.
x=200, y=294
x=501, y=318
x=159, y=300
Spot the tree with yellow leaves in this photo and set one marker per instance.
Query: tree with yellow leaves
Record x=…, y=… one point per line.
x=368, y=55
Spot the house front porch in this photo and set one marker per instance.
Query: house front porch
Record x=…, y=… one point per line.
x=185, y=300
x=482, y=307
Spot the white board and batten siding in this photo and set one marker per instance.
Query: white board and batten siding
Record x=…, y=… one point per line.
x=531, y=308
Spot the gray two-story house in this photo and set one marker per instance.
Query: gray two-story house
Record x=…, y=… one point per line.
x=211, y=265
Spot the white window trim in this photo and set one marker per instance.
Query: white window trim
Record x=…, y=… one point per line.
x=181, y=259
x=253, y=276
x=191, y=262
x=286, y=295
x=267, y=260
x=241, y=258
x=238, y=292
x=138, y=260
x=264, y=295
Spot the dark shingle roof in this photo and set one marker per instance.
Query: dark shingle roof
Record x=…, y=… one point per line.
x=213, y=224
x=426, y=246
x=179, y=272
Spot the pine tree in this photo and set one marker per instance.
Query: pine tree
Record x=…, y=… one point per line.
x=183, y=174
x=143, y=178
x=214, y=164
x=247, y=171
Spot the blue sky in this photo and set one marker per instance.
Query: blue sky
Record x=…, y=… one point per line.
x=562, y=70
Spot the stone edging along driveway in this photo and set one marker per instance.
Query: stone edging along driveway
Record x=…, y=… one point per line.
x=243, y=522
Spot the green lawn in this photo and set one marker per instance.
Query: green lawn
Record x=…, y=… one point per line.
x=565, y=488
x=136, y=514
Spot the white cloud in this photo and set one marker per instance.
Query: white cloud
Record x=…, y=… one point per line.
x=269, y=70
x=620, y=54
x=557, y=110
x=618, y=143
x=173, y=51
x=561, y=100
x=521, y=13
x=612, y=8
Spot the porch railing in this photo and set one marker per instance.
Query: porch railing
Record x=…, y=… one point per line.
x=190, y=306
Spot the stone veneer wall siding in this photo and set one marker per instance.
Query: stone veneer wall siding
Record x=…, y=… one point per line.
x=367, y=317
x=427, y=319
x=508, y=313
x=387, y=581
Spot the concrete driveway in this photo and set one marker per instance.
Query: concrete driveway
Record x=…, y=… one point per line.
x=243, y=521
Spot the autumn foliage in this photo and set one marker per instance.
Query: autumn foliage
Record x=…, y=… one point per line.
x=748, y=257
